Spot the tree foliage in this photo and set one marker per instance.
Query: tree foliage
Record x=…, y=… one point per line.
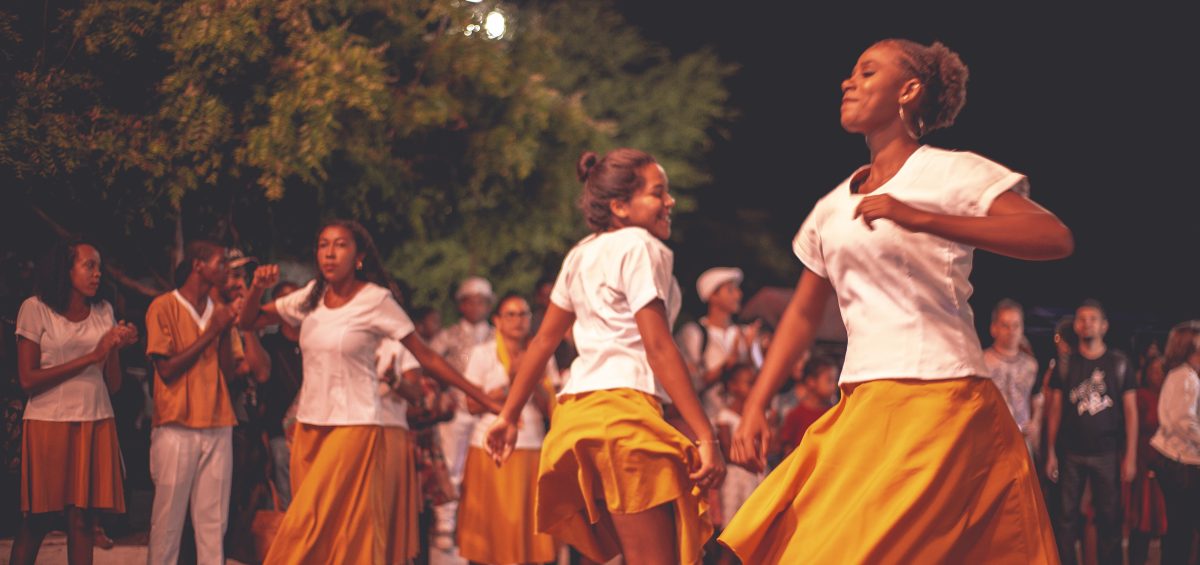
x=251, y=120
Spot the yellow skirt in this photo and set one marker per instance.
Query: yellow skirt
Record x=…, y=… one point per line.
x=496, y=512
x=355, y=497
x=610, y=452
x=71, y=464
x=902, y=471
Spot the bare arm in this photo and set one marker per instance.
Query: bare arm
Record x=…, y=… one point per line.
x=438, y=368
x=170, y=368
x=1053, y=418
x=797, y=330
x=533, y=362
x=254, y=314
x=257, y=361
x=36, y=380
x=112, y=372
x=541, y=398
x=1037, y=405
x=1129, y=463
x=1014, y=226
x=226, y=359
x=667, y=364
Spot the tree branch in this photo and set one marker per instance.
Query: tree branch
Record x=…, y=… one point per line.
x=115, y=272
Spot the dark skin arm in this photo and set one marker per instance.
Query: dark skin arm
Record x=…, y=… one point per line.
x=170, y=368
x=257, y=363
x=35, y=380
x=1129, y=462
x=502, y=436
x=255, y=315
x=797, y=330
x=438, y=368
x=1053, y=421
x=1014, y=226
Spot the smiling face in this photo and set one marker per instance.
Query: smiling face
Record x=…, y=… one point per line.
x=876, y=88
x=337, y=254
x=650, y=206
x=85, y=271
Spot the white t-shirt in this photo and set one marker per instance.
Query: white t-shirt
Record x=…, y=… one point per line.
x=84, y=397
x=605, y=280
x=393, y=355
x=339, y=346
x=903, y=295
x=485, y=371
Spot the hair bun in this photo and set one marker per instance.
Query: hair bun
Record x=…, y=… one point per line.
x=586, y=161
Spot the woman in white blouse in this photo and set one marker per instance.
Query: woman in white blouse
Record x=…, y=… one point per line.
x=354, y=485
x=920, y=461
x=496, y=514
x=67, y=343
x=615, y=477
x=1178, y=439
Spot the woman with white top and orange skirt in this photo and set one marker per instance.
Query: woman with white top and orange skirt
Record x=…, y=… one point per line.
x=67, y=343
x=496, y=513
x=1178, y=440
x=920, y=461
x=615, y=478
x=354, y=486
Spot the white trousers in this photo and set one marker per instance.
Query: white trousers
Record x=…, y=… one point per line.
x=192, y=466
x=456, y=440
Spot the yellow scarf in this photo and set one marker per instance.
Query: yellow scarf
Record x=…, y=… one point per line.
x=506, y=361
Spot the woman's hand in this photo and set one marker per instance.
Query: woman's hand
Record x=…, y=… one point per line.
x=710, y=469
x=112, y=340
x=751, y=441
x=885, y=207
x=500, y=440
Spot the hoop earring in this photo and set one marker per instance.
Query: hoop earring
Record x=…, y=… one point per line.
x=920, y=126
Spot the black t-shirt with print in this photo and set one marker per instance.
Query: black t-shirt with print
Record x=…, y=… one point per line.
x=1093, y=410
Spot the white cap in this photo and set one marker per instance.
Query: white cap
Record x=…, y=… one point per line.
x=712, y=279
x=474, y=286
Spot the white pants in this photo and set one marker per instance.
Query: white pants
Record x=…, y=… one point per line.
x=196, y=466
x=456, y=439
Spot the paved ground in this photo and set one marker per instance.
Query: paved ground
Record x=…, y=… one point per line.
x=54, y=552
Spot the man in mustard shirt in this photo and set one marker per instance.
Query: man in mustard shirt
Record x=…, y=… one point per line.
x=191, y=344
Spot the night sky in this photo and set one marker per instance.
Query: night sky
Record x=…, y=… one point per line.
x=1091, y=105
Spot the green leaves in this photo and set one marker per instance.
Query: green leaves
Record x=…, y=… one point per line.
x=256, y=118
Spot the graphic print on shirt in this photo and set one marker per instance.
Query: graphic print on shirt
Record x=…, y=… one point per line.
x=1091, y=395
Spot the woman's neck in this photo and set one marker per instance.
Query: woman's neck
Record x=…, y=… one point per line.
x=77, y=306
x=889, y=151
x=343, y=288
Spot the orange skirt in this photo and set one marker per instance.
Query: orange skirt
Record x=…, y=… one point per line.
x=71, y=464
x=355, y=497
x=496, y=512
x=902, y=471
x=611, y=452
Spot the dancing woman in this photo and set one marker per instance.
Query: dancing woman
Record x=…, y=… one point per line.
x=920, y=461
x=615, y=477
x=354, y=484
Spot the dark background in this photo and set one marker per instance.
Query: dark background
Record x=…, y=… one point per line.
x=1092, y=104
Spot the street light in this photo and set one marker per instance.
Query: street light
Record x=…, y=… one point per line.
x=491, y=20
